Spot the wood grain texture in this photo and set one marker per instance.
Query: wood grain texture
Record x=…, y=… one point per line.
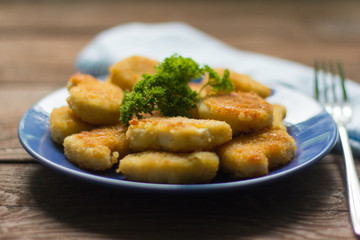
x=299, y=30
x=36, y=203
x=15, y=101
x=39, y=42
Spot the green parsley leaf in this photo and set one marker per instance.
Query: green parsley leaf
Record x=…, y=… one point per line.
x=167, y=90
x=219, y=84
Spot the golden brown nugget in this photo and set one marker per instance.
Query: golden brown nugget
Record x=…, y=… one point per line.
x=98, y=149
x=245, y=112
x=177, y=134
x=129, y=71
x=80, y=78
x=249, y=156
x=165, y=167
x=63, y=123
x=243, y=83
x=96, y=103
x=279, y=112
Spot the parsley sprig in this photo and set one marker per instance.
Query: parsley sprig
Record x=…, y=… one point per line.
x=167, y=90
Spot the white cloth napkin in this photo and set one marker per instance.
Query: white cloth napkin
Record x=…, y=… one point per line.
x=161, y=40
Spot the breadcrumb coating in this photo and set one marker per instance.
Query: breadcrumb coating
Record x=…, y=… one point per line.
x=245, y=112
x=96, y=102
x=174, y=168
x=98, y=149
x=177, y=134
x=279, y=112
x=252, y=155
x=80, y=78
x=128, y=72
x=63, y=123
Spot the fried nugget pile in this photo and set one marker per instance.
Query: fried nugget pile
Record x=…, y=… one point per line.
x=238, y=133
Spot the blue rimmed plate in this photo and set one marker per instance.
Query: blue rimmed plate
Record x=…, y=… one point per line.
x=312, y=128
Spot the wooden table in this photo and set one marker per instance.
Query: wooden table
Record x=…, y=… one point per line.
x=39, y=42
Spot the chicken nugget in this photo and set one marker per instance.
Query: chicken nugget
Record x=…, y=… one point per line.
x=63, y=123
x=165, y=167
x=98, y=149
x=252, y=155
x=279, y=112
x=242, y=83
x=129, y=71
x=177, y=134
x=80, y=78
x=96, y=102
x=245, y=112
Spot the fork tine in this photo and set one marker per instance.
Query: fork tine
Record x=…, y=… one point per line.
x=333, y=81
x=342, y=78
x=316, y=66
x=327, y=76
x=346, y=108
x=324, y=80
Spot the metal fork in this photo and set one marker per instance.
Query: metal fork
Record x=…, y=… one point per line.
x=339, y=108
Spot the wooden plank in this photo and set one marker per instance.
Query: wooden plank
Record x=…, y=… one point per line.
x=49, y=60
x=45, y=48
x=76, y=14
x=38, y=61
x=41, y=204
x=15, y=101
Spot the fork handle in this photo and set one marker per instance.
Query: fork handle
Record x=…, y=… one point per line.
x=353, y=185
